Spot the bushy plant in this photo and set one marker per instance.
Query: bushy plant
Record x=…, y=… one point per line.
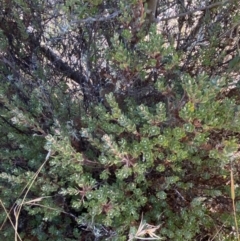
x=168, y=160
x=155, y=157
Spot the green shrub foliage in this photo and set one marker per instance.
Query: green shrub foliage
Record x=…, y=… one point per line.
x=157, y=149
x=168, y=160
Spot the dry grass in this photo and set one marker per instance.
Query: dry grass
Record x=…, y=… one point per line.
x=143, y=230
x=233, y=203
x=18, y=207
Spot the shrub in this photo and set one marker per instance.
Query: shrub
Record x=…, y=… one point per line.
x=152, y=157
x=168, y=160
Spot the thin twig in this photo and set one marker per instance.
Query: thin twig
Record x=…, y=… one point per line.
x=194, y=10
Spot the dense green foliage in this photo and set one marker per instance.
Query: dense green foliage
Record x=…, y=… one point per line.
x=105, y=129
